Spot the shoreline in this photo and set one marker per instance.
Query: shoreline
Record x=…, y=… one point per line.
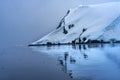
x=73, y=44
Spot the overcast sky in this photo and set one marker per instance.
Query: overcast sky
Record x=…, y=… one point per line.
x=24, y=21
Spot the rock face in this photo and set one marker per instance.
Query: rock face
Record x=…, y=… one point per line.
x=87, y=23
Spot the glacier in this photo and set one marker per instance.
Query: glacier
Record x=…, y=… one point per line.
x=85, y=23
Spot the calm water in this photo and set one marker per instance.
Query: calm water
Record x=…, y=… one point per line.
x=86, y=62
x=21, y=63
x=77, y=62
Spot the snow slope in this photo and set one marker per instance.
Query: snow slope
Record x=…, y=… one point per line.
x=95, y=22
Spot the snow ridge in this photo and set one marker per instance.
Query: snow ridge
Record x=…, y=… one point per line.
x=87, y=22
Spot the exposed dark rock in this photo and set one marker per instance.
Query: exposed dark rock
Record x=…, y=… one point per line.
x=84, y=29
x=79, y=40
x=71, y=26
x=102, y=41
x=84, y=38
x=68, y=12
x=112, y=40
x=60, y=24
x=49, y=43
x=95, y=41
x=59, y=43
x=73, y=42
x=64, y=30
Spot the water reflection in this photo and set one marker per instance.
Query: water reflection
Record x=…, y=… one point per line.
x=87, y=62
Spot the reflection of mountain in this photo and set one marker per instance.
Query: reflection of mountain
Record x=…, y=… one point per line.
x=86, y=62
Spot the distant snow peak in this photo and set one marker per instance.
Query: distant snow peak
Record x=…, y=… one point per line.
x=86, y=24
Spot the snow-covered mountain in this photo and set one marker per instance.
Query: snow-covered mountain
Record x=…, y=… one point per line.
x=87, y=22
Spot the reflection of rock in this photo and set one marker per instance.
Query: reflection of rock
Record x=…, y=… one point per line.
x=61, y=62
x=70, y=73
x=84, y=46
x=85, y=55
x=65, y=56
x=72, y=58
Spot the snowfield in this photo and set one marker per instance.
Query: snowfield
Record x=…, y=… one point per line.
x=87, y=22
